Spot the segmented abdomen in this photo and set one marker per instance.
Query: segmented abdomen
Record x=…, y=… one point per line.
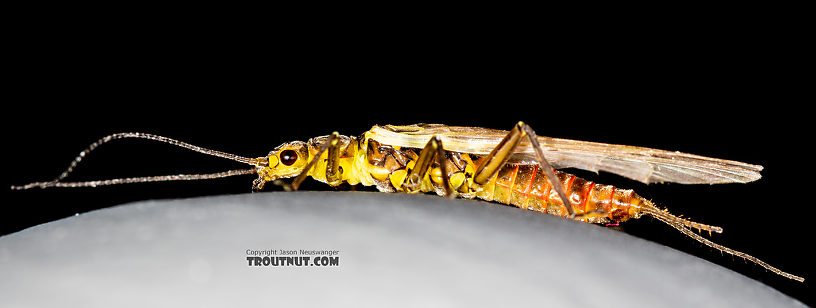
x=526, y=187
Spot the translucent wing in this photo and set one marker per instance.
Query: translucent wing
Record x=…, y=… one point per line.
x=638, y=163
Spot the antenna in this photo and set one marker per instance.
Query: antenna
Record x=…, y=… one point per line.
x=257, y=162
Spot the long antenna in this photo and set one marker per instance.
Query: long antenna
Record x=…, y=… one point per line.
x=180, y=177
x=161, y=178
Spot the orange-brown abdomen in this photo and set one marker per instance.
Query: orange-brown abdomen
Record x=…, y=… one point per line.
x=524, y=186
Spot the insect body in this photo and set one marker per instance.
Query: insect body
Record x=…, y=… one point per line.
x=364, y=160
x=514, y=167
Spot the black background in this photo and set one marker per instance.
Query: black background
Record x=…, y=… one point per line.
x=726, y=96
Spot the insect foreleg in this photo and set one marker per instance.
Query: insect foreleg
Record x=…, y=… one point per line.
x=432, y=149
x=332, y=172
x=502, y=152
x=333, y=163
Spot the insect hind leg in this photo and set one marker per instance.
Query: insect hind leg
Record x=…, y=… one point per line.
x=502, y=153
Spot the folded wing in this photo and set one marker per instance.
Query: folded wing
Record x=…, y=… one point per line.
x=638, y=163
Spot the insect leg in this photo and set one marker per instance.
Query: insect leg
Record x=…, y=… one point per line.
x=332, y=165
x=502, y=152
x=432, y=149
x=332, y=145
x=547, y=168
x=442, y=161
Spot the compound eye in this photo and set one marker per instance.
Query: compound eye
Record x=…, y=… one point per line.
x=288, y=157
